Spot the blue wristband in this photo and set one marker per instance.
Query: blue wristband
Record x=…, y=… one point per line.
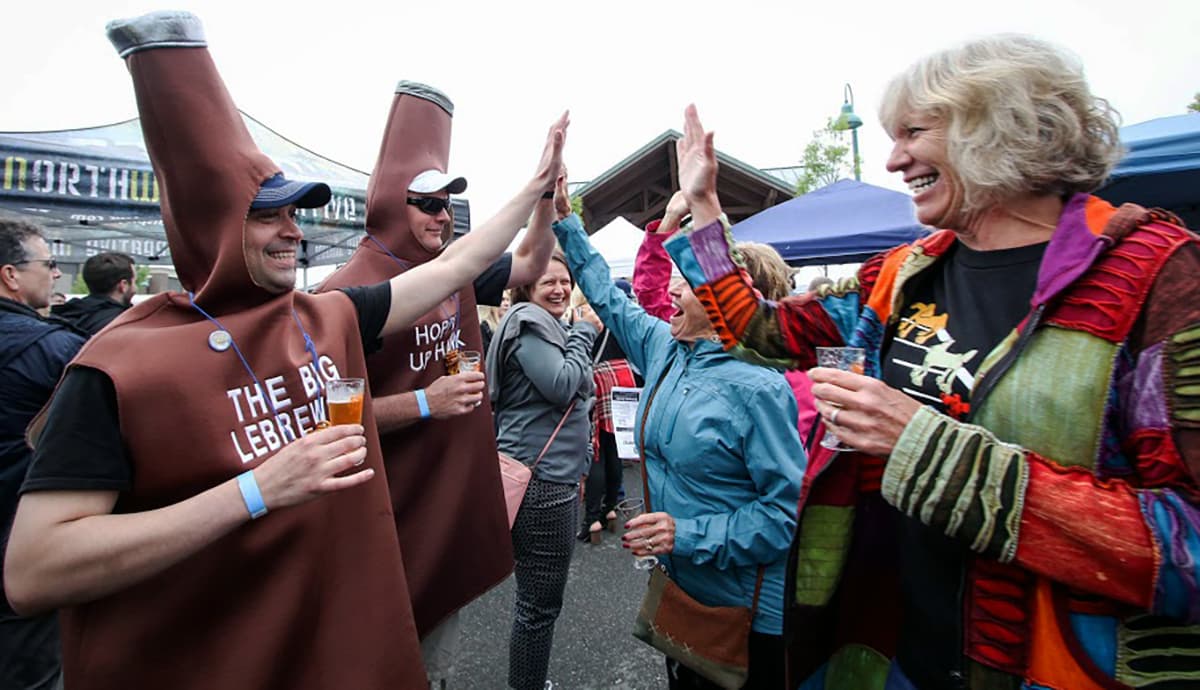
x=251, y=495
x=422, y=403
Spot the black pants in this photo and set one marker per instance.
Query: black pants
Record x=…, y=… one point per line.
x=767, y=665
x=603, y=481
x=543, y=537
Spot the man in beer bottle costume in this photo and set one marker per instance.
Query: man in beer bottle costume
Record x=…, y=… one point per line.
x=438, y=441
x=182, y=509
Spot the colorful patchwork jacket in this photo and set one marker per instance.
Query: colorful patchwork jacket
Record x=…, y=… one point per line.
x=1073, y=480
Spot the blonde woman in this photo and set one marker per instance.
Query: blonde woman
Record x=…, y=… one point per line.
x=489, y=318
x=1023, y=507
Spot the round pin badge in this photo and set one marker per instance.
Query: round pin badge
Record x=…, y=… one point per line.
x=220, y=340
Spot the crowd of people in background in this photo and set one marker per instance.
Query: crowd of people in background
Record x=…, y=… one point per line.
x=1012, y=500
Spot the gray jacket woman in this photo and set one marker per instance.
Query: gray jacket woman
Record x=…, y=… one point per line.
x=537, y=370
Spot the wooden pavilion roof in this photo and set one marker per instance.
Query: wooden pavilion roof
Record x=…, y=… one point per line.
x=640, y=186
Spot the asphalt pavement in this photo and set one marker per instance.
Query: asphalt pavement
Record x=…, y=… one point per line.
x=593, y=646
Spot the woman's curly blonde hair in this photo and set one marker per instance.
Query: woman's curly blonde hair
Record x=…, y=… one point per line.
x=1019, y=118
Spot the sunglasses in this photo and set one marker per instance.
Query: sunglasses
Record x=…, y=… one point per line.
x=50, y=263
x=429, y=204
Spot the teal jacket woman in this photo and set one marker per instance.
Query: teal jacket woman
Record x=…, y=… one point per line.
x=722, y=453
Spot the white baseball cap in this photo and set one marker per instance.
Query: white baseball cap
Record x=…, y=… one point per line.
x=431, y=181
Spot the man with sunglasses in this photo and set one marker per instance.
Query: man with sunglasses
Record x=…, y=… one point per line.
x=435, y=426
x=232, y=543
x=33, y=353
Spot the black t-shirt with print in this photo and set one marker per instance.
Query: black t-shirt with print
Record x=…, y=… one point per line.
x=951, y=320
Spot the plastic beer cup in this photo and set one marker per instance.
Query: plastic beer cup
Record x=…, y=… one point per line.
x=344, y=399
x=468, y=360
x=850, y=359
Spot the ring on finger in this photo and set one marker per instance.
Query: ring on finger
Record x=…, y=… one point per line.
x=833, y=417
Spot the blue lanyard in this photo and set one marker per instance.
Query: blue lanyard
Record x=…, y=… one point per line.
x=403, y=264
x=407, y=265
x=308, y=345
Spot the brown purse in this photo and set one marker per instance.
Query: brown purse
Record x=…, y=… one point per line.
x=713, y=641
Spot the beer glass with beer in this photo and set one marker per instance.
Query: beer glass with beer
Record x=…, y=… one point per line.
x=344, y=398
x=468, y=360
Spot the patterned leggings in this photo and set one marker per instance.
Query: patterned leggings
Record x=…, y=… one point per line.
x=543, y=538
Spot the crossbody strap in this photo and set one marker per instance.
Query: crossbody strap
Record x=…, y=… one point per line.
x=556, y=430
x=600, y=350
x=642, y=444
x=646, y=491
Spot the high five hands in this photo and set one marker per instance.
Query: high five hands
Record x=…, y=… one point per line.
x=677, y=211
x=550, y=167
x=698, y=169
x=562, y=200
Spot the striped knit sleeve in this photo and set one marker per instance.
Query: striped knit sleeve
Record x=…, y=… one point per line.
x=780, y=334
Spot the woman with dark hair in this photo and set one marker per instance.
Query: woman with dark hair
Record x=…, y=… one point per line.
x=1023, y=509
x=540, y=384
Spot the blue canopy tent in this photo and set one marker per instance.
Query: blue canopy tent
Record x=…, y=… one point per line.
x=844, y=222
x=1162, y=167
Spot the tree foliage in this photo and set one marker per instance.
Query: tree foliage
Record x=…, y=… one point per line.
x=577, y=208
x=1194, y=106
x=826, y=159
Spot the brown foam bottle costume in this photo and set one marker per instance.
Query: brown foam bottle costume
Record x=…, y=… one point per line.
x=306, y=597
x=442, y=474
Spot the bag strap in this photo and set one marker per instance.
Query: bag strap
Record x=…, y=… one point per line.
x=553, y=435
x=642, y=444
x=646, y=492
x=762, y=569
x=600, y=350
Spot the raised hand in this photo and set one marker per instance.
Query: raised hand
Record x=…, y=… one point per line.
x=550, y=166
x=309, y=466
x=677, y=210
x=562, y=200
x=698, y=168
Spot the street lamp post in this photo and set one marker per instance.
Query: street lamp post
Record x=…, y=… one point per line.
x=847, y=119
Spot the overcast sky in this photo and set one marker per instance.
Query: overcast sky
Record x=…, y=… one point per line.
x=764, y=75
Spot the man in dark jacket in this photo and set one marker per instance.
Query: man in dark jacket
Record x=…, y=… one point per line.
x=33, y=353
x=110, y=277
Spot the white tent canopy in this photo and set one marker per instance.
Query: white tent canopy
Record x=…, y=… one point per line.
x=618, y=243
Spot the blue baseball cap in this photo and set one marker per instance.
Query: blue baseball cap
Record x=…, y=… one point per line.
x=279, y=191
